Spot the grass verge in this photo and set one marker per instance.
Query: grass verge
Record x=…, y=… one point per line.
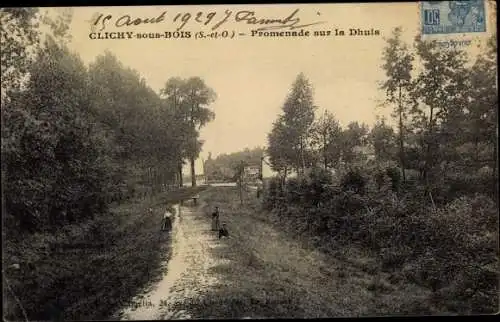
x=267, y=273
x=90, y=270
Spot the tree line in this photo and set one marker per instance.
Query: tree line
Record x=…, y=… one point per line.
x=226, y=166
x=300, y=139
x=76, y=138
x=443, y=102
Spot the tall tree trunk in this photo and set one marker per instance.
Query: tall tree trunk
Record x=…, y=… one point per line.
x=204, y=170
x=181, y=183
x=240, y=184
x=283, y=179
x=476, y=147
x=302, y=155
x=153, y=180
x=427, y=162
x=150, y=177
x=261, y=174
x=156, y=180
x=163, y=179
x=4, y=183
x=325, y=156
x=495, y=166
x=193, y=173
x=192, y=158
x=401, y=137
x=241, y=173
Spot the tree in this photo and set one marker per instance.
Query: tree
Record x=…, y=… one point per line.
x=46, y=125
x=239, y=174
x=143, y=133
x=71, y=136
x=293, y=128
x=326, y=135
x=198, y=97
x=440, y=90
x=383, y=138
x=59, y=20
x=355, y=135
x=19, y=39
x=55, y=173
x=15, y=60
x=483, y=108
x=174, y=98
x=190, y=99
x=279, y=148
x=398, y=85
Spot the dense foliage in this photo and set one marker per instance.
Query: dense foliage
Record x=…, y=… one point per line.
x=453, y=249
x=420, y=197
x=77, y=139
x=189, y=100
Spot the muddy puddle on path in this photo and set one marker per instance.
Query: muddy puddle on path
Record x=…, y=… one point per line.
x=188, y=272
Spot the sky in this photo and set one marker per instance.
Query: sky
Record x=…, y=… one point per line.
x=252, y=75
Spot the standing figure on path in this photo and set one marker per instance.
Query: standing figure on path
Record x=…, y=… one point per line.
x=195, y=199
x=167, y=219
x=215, y=219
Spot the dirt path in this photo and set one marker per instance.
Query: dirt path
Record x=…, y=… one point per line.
x=186, y=272
x=260, y=273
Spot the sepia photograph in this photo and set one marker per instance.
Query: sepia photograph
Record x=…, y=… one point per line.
x=253, y=161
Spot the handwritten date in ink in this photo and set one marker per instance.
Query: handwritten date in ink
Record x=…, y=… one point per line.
x=212, y=19
x=180, y=18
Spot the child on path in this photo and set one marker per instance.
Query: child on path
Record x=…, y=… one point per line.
x=167, y=219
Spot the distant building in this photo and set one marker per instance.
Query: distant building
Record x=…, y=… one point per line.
x=252, y=170
x=366, y=151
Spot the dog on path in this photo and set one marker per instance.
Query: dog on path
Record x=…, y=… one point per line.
x=223, y=232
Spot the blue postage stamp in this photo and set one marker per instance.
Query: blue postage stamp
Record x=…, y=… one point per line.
x=448, y=17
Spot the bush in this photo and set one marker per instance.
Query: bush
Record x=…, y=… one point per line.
x=315, y=185
x=294, y=191
x=462, y=183
x=394, y=173
x=273, y=193
x=451, y=250
x=354, y=180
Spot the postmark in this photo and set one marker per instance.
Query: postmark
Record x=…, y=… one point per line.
x=452, y=17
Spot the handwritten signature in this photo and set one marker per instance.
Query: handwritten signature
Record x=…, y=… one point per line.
x=291, y=21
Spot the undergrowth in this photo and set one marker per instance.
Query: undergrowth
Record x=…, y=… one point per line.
x=88, y=271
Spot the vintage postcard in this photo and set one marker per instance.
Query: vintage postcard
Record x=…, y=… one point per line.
x=249, y=161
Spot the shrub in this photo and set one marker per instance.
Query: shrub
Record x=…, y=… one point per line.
x=315, y=185
x=394, y=173
x=294, y=191
x=451, y=249
x=272, y=193
x=460, y=183
x=353, y=180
